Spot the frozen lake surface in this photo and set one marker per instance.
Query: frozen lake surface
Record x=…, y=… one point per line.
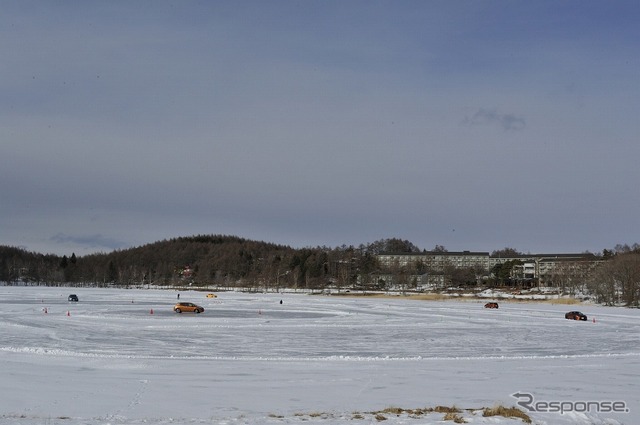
x=123, y=356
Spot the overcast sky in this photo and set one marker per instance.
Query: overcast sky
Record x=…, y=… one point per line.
x=475, y=125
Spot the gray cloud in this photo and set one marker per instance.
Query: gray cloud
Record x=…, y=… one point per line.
x=322, y=125
x=96, y=241
x=509, y=122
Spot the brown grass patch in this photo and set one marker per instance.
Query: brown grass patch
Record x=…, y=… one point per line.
x=393, y=410
x=421, y=297
x=429, y=297
x=455, y=417
x=446, y=409
x=507, y=412
x=468, y=297
x=451, y=413
x=568, y=301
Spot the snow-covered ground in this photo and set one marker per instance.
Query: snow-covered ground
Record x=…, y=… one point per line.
x=124, y=357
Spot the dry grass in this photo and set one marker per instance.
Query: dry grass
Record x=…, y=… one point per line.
x=451, y=413
x=394, y=410
x=429, y=297
x=446, y=409
x=507, y=412
x=568, y=301
x=455, y=417
x=421, y=297
x=529, y=298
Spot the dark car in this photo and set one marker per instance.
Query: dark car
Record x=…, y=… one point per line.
x=73, y=297
x=187, y=307
x=491, y=305
x=575, y=315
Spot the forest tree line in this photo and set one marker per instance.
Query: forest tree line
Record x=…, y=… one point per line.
x=201, y=260
x=230, y=261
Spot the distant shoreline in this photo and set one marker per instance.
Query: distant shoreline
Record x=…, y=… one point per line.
x=462, y=297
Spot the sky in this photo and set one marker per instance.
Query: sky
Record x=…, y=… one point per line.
x=474, y=125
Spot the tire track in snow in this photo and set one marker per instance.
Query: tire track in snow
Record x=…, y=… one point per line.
x=337, y=358
x=121, y=414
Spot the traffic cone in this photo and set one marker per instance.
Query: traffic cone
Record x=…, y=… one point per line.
x=151, y=312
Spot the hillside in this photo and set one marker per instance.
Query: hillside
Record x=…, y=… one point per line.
x=201, y=259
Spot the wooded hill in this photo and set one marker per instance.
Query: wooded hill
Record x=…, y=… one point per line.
x=202, y=260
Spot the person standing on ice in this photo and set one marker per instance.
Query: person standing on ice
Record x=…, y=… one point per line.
x=178, y=296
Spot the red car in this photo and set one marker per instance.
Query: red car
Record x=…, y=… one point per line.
x=491, y=305
x=575, y=315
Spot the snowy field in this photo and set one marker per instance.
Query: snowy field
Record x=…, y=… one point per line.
x=124, y=357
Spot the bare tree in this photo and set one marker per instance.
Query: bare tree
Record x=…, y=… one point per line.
x=617, y=280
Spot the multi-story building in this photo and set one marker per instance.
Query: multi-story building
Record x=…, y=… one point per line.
x=541, y=269
x=436, y=261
